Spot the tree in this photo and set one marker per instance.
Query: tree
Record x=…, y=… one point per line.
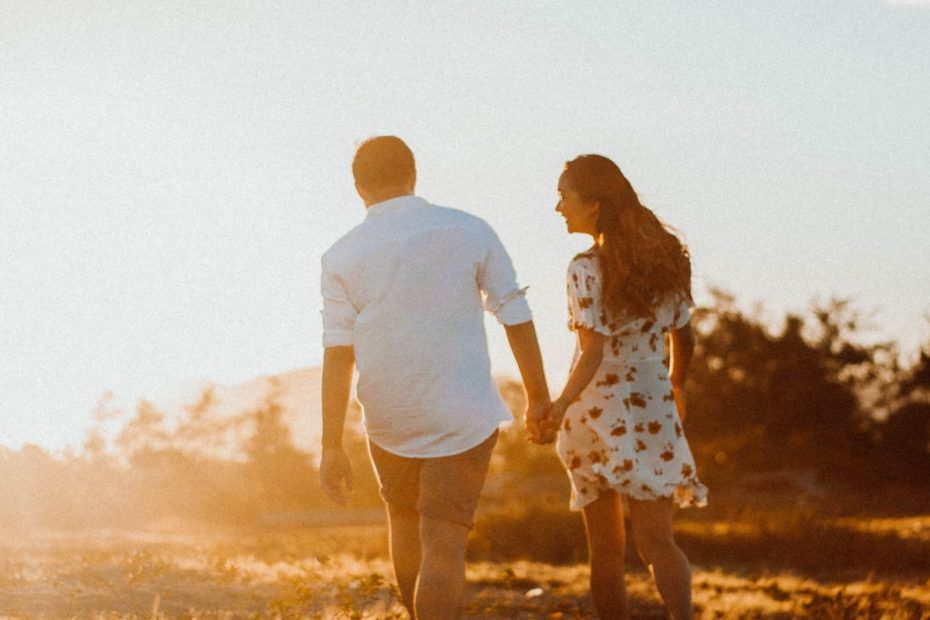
x=905, y=435
x=283, y=476
x=762, y=400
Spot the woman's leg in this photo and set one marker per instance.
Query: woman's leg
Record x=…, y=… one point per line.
x=652, y=533
x=603, y=519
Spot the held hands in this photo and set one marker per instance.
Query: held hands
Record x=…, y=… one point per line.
x=534, y=417
x=543, y=421
x=334, y=471
x=553, y=422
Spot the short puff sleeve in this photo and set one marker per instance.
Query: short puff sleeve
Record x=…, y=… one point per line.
x=585, y=306
x=681, y=314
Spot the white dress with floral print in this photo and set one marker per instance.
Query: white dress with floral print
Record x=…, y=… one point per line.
x=623, y=432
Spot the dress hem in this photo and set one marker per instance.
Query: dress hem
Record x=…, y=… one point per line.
x=687, y=494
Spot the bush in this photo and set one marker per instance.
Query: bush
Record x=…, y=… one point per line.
x=540, y=531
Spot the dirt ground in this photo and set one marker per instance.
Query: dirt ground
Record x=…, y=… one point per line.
x=344, y=573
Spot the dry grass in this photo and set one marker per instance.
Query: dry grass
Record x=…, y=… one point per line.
x=344, y=573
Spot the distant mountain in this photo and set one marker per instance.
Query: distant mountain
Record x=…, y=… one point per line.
x=298, y=393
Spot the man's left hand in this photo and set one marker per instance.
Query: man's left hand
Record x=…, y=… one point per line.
x=334, y=471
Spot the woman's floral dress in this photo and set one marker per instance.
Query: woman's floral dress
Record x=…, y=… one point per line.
x=623, y=432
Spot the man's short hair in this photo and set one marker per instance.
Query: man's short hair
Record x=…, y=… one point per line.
x=383, y=161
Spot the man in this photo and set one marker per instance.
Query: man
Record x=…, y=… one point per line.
x=403, y=294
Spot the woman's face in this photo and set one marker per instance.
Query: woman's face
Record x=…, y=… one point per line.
x=580, y=216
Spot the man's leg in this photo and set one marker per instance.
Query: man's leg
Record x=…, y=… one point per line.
x=399, y=479
x=442, y=572
x=448, y=496
x=405, y=551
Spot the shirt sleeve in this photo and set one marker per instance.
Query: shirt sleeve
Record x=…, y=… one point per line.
x=498, y=281
x=339, y=313
x=585, y=308
x=682, y=313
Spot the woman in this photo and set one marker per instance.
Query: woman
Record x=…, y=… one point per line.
x=621, y=410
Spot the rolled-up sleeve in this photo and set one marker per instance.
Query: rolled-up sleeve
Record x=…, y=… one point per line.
x=339, y=313
x=498, y=281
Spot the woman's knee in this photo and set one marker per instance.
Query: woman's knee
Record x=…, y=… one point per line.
x=606, y=542
x=604, y=526
x=653, y=542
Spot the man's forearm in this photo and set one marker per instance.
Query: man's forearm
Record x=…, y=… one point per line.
x=338, y=363
x=525, y=349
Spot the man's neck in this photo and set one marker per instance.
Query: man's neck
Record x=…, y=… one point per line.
x=386, y=194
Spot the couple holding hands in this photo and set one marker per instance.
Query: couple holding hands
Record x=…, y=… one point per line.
x=404, y=295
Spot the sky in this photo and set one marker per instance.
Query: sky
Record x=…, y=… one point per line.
x=172, y=172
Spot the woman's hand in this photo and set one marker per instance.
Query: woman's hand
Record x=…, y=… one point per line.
x=549, y=427
x=534, y=417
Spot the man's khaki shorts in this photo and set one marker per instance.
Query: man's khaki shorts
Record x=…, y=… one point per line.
x=445, y=487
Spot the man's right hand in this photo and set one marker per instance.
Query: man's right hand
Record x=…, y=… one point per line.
x=549, y=428
x=334, y=471
x=536, y=414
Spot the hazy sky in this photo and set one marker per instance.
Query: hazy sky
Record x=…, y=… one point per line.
x=171, y=172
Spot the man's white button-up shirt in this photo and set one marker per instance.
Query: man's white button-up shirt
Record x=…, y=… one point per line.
x=407, y=288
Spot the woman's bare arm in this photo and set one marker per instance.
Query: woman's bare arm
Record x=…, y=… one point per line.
x=680, y=354
x=592, y=352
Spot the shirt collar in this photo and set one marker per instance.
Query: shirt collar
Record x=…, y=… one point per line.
x=401, y=203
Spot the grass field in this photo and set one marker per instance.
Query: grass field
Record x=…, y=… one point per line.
x=344, y=573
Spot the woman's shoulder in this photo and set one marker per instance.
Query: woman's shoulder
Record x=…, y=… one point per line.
x=584, y=271
x=589, y=254
x=586, y=260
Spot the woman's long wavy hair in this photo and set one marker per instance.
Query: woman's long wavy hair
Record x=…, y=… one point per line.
x=642, y=260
